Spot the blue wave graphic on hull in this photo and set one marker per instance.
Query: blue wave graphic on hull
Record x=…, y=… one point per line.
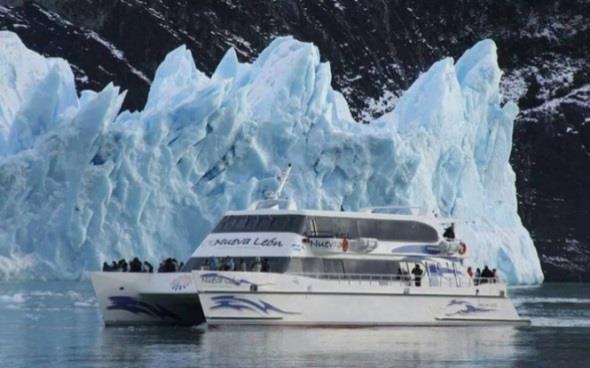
x=468, y=308
x=239, y=304
x=135, y=306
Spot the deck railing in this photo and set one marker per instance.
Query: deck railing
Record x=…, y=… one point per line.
x=409, y=280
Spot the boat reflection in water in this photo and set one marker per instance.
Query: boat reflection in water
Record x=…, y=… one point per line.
x=353, y=346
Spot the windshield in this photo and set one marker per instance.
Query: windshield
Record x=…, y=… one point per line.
x=330, y=227
x=293, y=265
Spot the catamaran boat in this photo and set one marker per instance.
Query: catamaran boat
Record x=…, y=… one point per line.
x=272, y=265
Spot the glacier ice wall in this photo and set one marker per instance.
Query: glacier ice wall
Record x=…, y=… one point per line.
x=81, y=183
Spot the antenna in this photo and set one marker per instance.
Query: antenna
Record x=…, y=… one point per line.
x=283, y=181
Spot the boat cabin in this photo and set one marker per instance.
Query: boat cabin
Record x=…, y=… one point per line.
x=324, y=242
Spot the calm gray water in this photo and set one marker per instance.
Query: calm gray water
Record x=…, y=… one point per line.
x=58, y=324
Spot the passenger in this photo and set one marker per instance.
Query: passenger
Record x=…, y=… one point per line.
x=135, y=265
x=114, y=266
x=417, y=272
x=256, y=266
x=106, y=267
x=162, y=267
x=214, y=264
x=205, y=265
x=223, y=264
x=174, y=267
x=148, y=267
x=242, y=265
x=169, y=265
x=477, y=276
x=486, y=275
x=495, y=276
x=449, y=233
x=265, y=266
x=227, y=264
x=123, y=265
x=470, y=271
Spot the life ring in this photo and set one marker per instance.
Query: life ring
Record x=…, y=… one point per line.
x=462, y=248
x=345, y=245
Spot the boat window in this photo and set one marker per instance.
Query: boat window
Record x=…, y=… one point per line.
x=312, y=265
x=364, y=266
x=192, y=264
x=392, y=230
x=275, y=264
x=333, y=266
x=330, y=227
x=295, y=265
x=300, y=265
x=261, y=223
x=335, y=227
x=397, y=230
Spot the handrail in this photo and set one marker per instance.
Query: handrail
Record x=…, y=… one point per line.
x=422, y=210
x=433, y=281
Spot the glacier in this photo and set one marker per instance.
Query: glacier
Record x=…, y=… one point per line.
x=82, y=182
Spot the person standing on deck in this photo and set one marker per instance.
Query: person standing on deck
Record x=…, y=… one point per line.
x=417, y=272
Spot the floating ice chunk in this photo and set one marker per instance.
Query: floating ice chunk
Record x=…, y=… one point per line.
x=17, y=298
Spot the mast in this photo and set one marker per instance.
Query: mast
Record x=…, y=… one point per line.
x=284, y=178
x=273, y=199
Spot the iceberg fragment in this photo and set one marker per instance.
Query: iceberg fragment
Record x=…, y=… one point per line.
x=81, y=183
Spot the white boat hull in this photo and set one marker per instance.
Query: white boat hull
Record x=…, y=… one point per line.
x=230, y=298
x=127, y=298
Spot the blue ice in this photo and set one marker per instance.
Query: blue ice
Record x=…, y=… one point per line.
x=82, y=182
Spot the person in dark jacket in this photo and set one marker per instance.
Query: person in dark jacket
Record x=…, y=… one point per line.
x=417, y=272
x=123, y=265
x=486, y=275
x=449, y=233
x=135, y=265
x=106, y=267
x=265, y=266
x=148, y=267
x=169, y=265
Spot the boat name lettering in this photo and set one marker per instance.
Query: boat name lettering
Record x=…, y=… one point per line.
x=257, y=242
x=324, y=243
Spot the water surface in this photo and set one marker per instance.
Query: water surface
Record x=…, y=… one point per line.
x=58, y=324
